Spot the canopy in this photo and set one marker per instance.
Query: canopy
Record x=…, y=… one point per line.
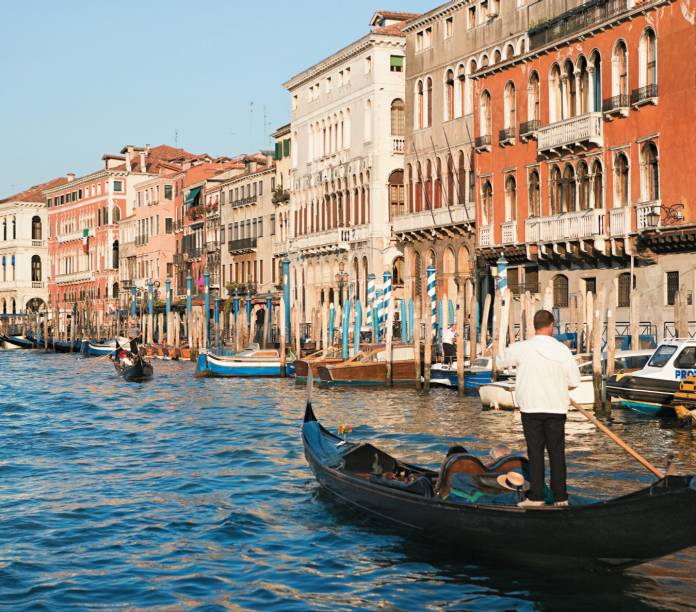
x=192, y=196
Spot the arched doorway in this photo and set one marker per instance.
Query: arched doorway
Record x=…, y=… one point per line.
x=35, y=305
x=449, y=270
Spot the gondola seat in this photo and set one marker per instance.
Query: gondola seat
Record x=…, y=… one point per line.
x=463, y=463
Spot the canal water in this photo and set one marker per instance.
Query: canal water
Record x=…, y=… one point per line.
x=195, y=493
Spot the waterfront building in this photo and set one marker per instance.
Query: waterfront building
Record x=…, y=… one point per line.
x=347, y=155
x=197, y=221
x=248, y=226
x=585, y=162
x=445, y=49
x=23, y=250
x=280, y=222
x=83, y=218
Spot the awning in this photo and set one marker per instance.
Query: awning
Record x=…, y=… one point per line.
x=192, y=195
x=397, y=61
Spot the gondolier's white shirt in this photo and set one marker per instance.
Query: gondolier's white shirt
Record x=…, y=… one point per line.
x=545, y=370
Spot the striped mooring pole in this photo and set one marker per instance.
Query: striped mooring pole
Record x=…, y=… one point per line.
x=370, y=296
x=387, y=298
x=206, y=298
x=432, y=294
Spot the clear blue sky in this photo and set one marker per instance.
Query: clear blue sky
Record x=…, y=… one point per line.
x=84, y=77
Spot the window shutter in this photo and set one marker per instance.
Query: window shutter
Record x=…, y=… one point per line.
x=397, y=61
x=278, y=151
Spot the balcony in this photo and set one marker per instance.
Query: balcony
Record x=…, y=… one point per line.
x=212, y=246
x=510, y=232
x=486, y=238
x=427, y=220
x=529, y=129
x=643, y=210
x=244, y=201
x=619, y=222
x=71, y=236
x=74, y=277
x=242, y=245
x=581, y=18
x=279, y=248
x=571, y=134
x=398, y=144
x=616, y=106
x=578, y=225
x=506, y=136
x=193, y=254
x=323, y=242
x=644, y=95
x=37, y=243
x=37, y=284
x=483, y=143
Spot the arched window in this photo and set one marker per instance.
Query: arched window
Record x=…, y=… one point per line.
x=36, y=269
x=647, y=60
x=469, y=97
x=437, y=197
x=461, y=91
x=461, y=178
x=449, y=95
x=428, y=185
x=114, y=291
x=570, y=95
x=368, y=120
x=534, y=194
x=510, y=198
x=484, y=61
x=533, y=101
x=597, y=185
x=583, y=186
x=411, y=201
x=584, y=84
x=619, y=70
x=509, y=106
x=116, y=215
x=450, y=181
x=419, y=187
x=4, y=229
x=486, y=120
x=114, y=253
x=497, y=56
x=620, y=180
x=650, y=172
x=398, y=117
x=509, y=52
x=14, y=228
x=596, y=78
x=398, y=272
x=429, y=92
x=555, y=95
x=555, y=191
x=568, y=197
x=487, y=203
x=36, y=228
x=560, y=291
x=420, y=106
x=624, y=297
x=472, y=178
x=396, y=193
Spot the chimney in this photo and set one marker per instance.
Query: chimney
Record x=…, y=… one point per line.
x=129, y=160
x=70, y=176
x=143, y=167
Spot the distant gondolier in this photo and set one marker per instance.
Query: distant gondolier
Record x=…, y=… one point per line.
x=546, y=371
x=449, y=347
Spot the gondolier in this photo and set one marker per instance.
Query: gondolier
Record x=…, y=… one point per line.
x=449, y=347
x=546, y=371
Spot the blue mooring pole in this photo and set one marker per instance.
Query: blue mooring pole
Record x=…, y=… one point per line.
x=206, y=298
x=286, y=297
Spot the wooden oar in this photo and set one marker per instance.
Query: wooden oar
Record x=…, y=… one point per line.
x=604, y=429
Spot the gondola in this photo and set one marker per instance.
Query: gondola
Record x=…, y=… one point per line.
x=18, y=341
x=131, y=365
x=650, y=523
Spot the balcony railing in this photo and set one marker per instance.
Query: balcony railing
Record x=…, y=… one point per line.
x=486, y=236
x=241, y=245
x=74, y=277
x=510, y=232
x=616, y=104
x=506, y=136
x=575, y=20
x=37, y=243
x=398, y=144
x=644, y=210
x=193, y=254
x=427, y=219
x=566, y=226
x=620, y=221
x=244, y=201
x=483, y=143
x=37, y=284
x=528, y=129
x=571, y=132
x=327, y=241
x=644, y=95
x=212, y=245
x=71, y=236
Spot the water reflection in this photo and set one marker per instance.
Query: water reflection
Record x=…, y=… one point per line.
x=188, y=492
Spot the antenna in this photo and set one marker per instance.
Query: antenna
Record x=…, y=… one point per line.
x=251, y=119
x=266, y=126
x=176, y=138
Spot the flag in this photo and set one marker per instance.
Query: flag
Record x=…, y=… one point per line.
x=85, y=240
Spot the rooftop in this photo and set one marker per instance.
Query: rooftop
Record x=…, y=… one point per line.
x=35, y=193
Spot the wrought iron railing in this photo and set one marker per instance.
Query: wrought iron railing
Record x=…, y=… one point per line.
x=529, y=127
x=615, y=103
x=644, y=93
x=506, y=135
x=242, y=244
x=483, y=141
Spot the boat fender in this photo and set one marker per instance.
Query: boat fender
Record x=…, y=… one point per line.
x=692, y=483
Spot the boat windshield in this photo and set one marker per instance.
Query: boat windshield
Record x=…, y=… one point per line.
x=662, y=355
x=686, y=359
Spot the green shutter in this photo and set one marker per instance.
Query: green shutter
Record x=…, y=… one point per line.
x=286, y=147
x=397, y=61
x=278, y=151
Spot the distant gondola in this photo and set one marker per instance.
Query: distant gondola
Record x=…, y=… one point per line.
x=18, y=341
x=655, y=521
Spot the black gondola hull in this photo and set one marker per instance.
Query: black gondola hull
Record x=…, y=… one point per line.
x=19, y=342
x=139, y=372
x=624, y=531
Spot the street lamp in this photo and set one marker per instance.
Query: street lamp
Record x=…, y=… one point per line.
x=672, y=214
x=342, y=278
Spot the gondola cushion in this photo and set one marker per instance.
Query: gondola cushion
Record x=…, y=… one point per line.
x=327, y=452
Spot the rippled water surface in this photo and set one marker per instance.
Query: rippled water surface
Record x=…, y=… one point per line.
x=195, y=493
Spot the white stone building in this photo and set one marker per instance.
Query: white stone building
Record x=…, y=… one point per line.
x=347, y=130
x=23, y=250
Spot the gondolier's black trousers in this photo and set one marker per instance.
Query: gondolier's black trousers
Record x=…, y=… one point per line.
x=450, y=351
x=543, y=430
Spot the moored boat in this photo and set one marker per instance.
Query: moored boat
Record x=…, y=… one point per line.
x=480, y=373
x=316, y=360
x=405, y=496
x=252, y=362
x=370, y=368
x=651, y=389
x=19, y=341
x=101, y=348
x=65, y=346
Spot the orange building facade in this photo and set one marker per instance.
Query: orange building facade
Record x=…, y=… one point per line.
x=586, y=165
